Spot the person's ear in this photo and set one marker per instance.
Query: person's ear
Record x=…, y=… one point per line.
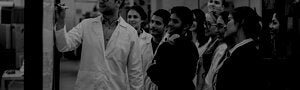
x=240, y=24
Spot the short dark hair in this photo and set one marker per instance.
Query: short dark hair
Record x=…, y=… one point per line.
x=164, y=14
x=249, y=21
x=184, y=14
x=139, y=10
x=224, y=16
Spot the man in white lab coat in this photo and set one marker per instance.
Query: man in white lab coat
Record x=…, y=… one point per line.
x=111, y=58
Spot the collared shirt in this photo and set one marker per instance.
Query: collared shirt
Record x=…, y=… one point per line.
x=240, y=44
x=118, y=67
x=108, y=29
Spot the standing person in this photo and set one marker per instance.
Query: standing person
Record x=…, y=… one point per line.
x=201, y=42
x=219, y=52
x=175, y=60
x=215, y=7
x=135, y=17
x=221, y=24
x=158, y=25
x=111, y=58
x=198, y=29
x=274, y=29
x=240, y=68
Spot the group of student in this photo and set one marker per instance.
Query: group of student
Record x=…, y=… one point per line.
x=184, y=49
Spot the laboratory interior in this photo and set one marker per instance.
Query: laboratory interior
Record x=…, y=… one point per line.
x=31, y=56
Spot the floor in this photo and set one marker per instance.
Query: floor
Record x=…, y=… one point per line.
x=68, y=73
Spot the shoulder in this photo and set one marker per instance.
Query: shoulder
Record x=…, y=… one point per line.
x=126, y=29
x=247, y=51
x=222, y=47
x=91, y=20
x=127, y=26
x=249, y=47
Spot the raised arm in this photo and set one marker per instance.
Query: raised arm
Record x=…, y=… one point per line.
x=66, y=41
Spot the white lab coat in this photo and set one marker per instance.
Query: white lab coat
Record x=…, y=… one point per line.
x=147, y=52
x=216, y=64
x=118, y=67
x=147, y=57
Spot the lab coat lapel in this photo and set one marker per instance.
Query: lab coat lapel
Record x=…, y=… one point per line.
x=98, y=29
x=115, y=36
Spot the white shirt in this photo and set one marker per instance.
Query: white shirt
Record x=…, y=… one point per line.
x=118, y=67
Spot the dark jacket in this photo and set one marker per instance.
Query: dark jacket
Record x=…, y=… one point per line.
x=242, y=71
x=175, y=65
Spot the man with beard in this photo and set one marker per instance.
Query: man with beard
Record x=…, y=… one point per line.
x=174, y=64
x=111, y=57
x=158, y=24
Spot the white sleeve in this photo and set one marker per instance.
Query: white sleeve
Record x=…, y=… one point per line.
x=135, y=73
x=68, y=41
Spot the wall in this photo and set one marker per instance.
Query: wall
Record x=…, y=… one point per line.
x=19, y=3
x=48, y=43
x=257, y=4
x=76, y=9
x=192, y=4
x=168, y=4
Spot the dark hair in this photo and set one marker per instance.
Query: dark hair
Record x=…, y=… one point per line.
x=200, y=30
x=164, y=14
x=139, y=10
x=184, y=14
x=95, y=8
x=224, y=16
x=249, y=21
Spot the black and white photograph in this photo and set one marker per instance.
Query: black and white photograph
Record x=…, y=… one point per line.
x=149, y=44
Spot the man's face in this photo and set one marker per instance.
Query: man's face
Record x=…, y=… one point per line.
x=157, y=27
x=215, y=5
x=134, y=18
x=175, y=24
x=108, y=6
